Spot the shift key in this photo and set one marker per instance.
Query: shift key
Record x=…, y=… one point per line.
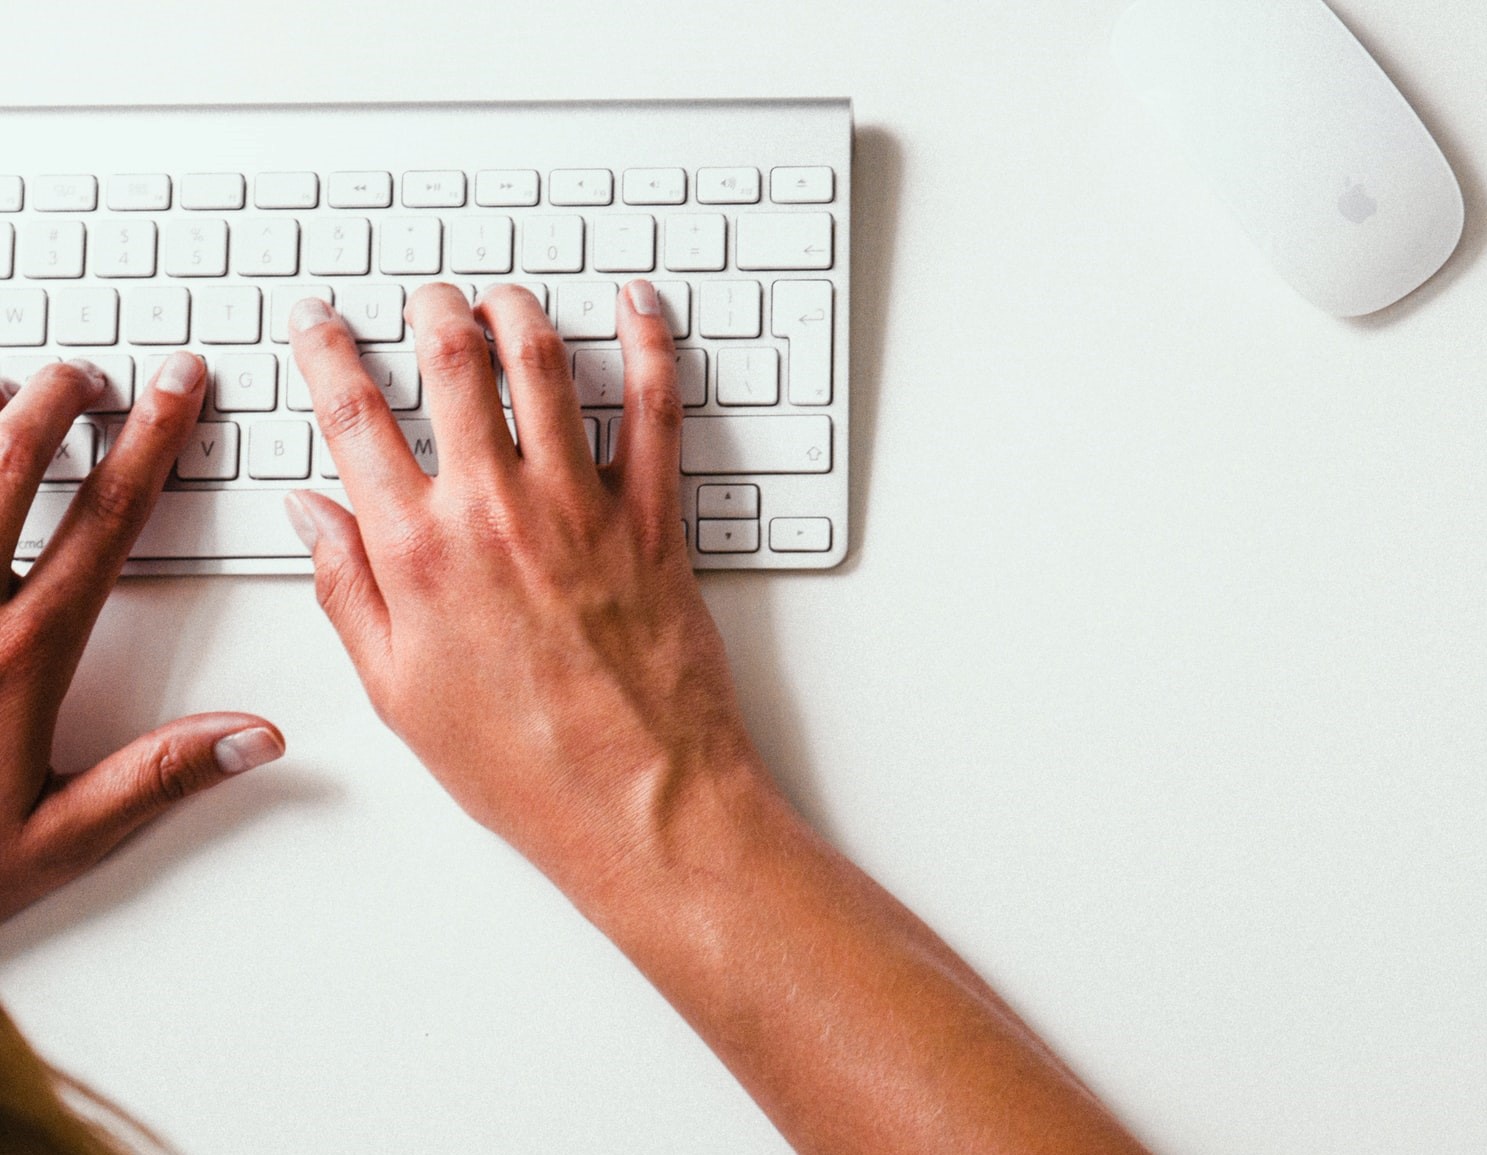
x=728, y=445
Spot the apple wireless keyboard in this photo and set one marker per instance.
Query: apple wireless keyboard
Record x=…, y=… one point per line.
x=126, y=232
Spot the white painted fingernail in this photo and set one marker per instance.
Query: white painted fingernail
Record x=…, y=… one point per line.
x=9, y=388
x=301, y=520
x=97, y=382
x=181, y=374
x=307, y=313
x=247, y=749
x=643, y=297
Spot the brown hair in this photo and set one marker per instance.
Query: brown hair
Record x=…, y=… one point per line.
x=37, y=1115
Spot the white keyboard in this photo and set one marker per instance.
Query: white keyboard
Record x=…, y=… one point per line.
x=126, y=233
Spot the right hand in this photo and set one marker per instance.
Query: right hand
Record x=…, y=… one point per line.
x=528, y=623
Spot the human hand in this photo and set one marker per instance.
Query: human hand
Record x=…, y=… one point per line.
x=528, y=623
x=52, y=827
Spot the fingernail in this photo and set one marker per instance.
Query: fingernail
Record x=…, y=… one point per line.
x=180, y=374
x=9, y=388
x=643, y=297
x=301, y=520
x=307, y=313
x=247, y=749
x=97, y=382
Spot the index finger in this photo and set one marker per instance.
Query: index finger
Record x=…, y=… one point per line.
x=380, y=474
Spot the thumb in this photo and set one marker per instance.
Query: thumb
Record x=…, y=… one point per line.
x=88, y=815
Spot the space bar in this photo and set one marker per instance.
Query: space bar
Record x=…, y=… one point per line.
x=219, y=523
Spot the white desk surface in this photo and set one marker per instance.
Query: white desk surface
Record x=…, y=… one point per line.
x=1155, y=680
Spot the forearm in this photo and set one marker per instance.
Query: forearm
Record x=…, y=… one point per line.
x=850, y=1022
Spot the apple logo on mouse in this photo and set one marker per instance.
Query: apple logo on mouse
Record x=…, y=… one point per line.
x=1356, y=204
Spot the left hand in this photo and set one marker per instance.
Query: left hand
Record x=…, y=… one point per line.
x=52, y=828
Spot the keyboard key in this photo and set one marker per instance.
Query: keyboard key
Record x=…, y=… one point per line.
x=139, y=192
x=552, y=245
x=222, y=523
x=625, y=243
x=815, y=185
x=599, y=378
x=502, y=187
x=444, y=189
x=480, y=244
x=655, y=186
x=727, y=536
x=374, y=312
x=676, y=306
x=22, y=317
x=196, y=247
x=12, y=194
x=156, y=315
x=266, y=247
x=696, y=242
x=286, y=190
x=52, y=249
x=784, y=241
x=22, y=368
x=228, y=315
x=396, y=374
x=124, y=248
x=724, y=445
x=728, y=501
x=211, y=454
x=580, y=186
x=212, y=190
x=586, y=309
x=691, y=376
x=7, y=250
x=802, y=314
x=279, y=450
x=411, y=245
x=727, y=186
x=74, y=457
x=748, y=377
x=339, y=246
x=118, y=372
x=800, y=534
x=420, y=438
x=729, y=309
x=245, y=383
x=284, y=299
x=64, y=194
x=85, y=316
x=360, y=190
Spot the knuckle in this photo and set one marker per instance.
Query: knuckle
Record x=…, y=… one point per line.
x=416, y=546
x=117, y=502
x=451, y=346
x=660, y=406
x=349, y=414
x=542, y=351
x=20, y=458
x=170, y=774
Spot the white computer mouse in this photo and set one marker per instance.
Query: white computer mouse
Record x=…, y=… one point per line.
x=1300, y=131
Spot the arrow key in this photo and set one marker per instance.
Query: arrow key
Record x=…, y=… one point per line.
x=727, y=536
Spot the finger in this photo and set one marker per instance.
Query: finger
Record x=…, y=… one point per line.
x=345, y=585
x=648, y=457
x=80, y=564
x=89, y=815
x=32, y=425
x=376, y=466
x=460, y=389
x=549, y=425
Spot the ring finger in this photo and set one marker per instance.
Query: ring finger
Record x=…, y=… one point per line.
x=32, y=426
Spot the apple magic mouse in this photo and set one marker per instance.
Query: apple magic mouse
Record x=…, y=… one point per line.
x=1314, y=149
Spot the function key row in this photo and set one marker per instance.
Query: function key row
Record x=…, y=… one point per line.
x=493, y=188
